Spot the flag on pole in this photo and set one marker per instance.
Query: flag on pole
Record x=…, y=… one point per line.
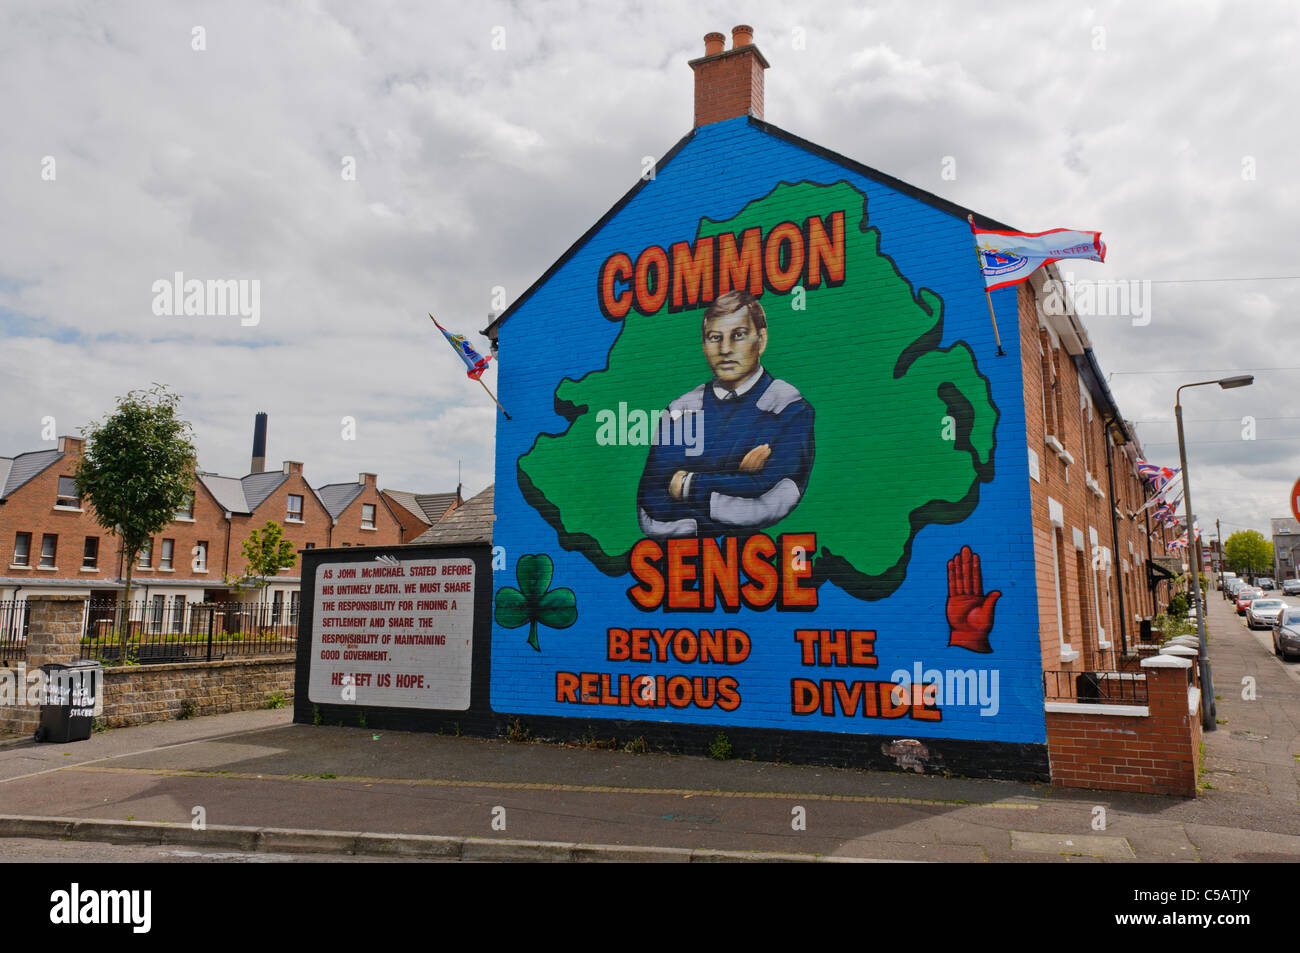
x=1008, y=258
x=475, y=362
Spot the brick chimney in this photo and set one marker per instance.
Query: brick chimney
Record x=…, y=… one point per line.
x=729, y=83
x=366, y=479
x=292, y=466
x=259, y=444
x=71, y=445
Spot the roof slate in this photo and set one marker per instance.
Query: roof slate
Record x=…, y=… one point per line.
x=25, y=466
x=338, y=496
x=471, y=522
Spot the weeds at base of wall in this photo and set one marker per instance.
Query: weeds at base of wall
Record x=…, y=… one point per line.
x=518, y=732
x=720, y=749
x=277, y=700
x=589, y=740
x=637, y=746
x=361, y=719
x=97, y=726
x=316, y=718
x=188, y=710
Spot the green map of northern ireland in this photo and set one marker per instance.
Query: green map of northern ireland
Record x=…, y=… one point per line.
x=905, y=430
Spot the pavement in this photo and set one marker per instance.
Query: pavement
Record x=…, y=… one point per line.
x=253, y=781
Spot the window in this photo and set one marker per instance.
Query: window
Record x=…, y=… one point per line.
x=186, y=509
x=146, y=555
x=159, y=608
x=295, y=508
x=168, y=549
x=293, y=606
x=178, y=614
x=49, y=546
x=23, y=549
x=309, y=546
x=200, y=563
x=367, y=516
x=277, y=606
x=68, y=493
x=90, y=555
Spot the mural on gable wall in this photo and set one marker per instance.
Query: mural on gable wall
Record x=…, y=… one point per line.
x=758, y=468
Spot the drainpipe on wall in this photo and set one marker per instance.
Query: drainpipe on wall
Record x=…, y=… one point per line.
x=225, y=561
x=1114, y=538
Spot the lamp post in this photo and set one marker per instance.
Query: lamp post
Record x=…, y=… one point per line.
x=1208, y=708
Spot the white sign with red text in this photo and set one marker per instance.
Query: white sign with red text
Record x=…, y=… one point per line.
x=396, y=634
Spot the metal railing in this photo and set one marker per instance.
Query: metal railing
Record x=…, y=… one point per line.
x=15, y=620
x=1096, y=688
x=178, y=630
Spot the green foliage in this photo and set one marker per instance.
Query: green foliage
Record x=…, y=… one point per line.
x=316, y=718
x=361, y=719
x=1178, y=604
x=1247, y=551
x=277, y=700
x=1170, y=627
x=721, y=747
x=266, y=552
x=637, y=746
x=188, y=710
x=518, y=731
x=137, y=469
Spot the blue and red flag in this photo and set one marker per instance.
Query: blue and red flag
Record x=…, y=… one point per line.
x=474, y=361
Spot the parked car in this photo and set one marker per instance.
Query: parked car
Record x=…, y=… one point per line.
x=1235, y=585
x=1286, y=634
x=1245, y=597
x=1291, y=587
x=1226, y=579
x=1265, y=583
x=1262, y=613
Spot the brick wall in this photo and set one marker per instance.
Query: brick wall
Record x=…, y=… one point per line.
x=387, y=529
x=31, y=509
x=140, y=694
x=1101, y=563
x=1157, y=753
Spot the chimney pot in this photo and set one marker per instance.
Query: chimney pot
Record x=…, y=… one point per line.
x=729, y=83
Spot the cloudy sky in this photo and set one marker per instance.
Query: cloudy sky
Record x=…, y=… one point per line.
x=367, y=163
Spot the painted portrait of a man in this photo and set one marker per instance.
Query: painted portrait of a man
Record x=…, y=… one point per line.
x=754, y=454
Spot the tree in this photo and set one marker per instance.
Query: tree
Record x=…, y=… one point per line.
x=137, y=471
x=265, y=553
x=1247, y=551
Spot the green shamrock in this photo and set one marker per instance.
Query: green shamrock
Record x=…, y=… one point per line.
x=532, y=603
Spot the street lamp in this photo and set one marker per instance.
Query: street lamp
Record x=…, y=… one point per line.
x=1208, y=708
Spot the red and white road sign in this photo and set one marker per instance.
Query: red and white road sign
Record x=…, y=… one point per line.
x=1295, y=501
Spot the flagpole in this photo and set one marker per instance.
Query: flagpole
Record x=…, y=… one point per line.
x=493, y=396
x=479, y=379
x=987, y=297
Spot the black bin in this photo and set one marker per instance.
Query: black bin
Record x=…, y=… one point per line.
x=71, y=693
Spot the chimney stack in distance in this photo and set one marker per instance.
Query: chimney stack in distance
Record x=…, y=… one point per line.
x=259, y=444
x=729, y=83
